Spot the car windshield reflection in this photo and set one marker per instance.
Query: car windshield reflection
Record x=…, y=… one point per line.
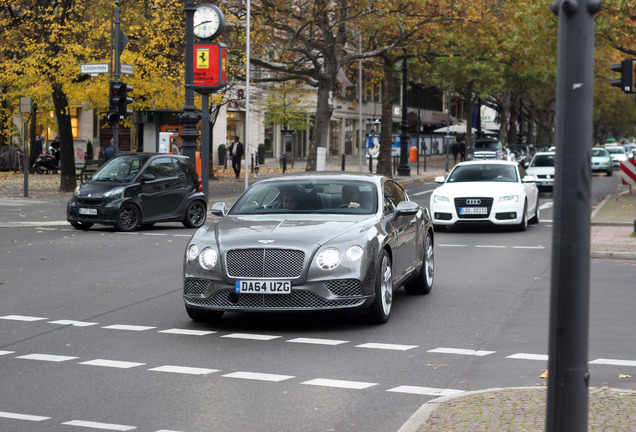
x=543, y=161
x=483, y=173
x=316, y=196
x=120, y=169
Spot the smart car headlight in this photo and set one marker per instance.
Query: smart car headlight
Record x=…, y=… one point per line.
x=76, y=192
x=114, y=192
x=329, y=259
x=208, y=258
x=509, y=198
x=354, y=253
x=440, y=199
x=192, y=252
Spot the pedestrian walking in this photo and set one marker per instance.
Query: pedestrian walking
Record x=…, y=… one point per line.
x=109, y=152
x=455, y=150
x=462, y=149
x=236, y=153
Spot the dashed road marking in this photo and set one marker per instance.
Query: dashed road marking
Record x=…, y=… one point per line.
x=46, y=357
x=613, y=362
x=524, y=356
x=323, y=382
x=6, y=352
x=490, y=246
x=128, y=327
x=184, y=370
x=317, y=341
x=112, y=363
x=426, y=391
x=18, y=416
x=250, y=336
x=22, y=318
x=478, y=353
x=528, y=247
x=385, y=346
x=97, y=425
x=74, y=323
x=187, y=332
x=258, y=376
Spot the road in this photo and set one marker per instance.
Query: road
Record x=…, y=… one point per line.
x=93, y=334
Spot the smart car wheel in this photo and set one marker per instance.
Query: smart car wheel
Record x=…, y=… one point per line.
x=423, y=283
x=381, y=308
x=81, y=225
x=127, y=218
x=195, y=215
x=199, y=315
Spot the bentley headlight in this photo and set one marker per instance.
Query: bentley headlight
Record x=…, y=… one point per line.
x=208, y=258
x=440, y=199
x=192, y=252
x=329, y=259
x=354, y=253
x=509, y=198
x=114, y=192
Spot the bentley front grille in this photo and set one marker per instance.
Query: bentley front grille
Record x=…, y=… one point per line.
x=345, y=288
x=265, y=263
x=298, y=300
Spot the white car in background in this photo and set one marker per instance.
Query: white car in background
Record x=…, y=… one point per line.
x=618, y=154
x=485, y=192
x=542, y=167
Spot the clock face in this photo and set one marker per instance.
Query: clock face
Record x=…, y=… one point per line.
x=208, y=21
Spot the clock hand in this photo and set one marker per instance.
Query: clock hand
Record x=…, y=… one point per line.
x=204, y=22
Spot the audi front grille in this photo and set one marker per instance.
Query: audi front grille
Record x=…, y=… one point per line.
x=473, y=202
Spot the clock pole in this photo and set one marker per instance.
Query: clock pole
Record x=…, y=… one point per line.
x=189, y=117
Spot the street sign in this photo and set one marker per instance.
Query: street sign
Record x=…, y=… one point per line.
x=94, y=68
x=126, y=69
x=210, y=62
x=628, y=172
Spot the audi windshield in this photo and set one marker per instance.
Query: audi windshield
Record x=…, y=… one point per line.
x=483, y=173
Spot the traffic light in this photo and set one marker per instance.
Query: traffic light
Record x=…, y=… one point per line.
x=124, y=100
x=115, y=97
x=625, y=81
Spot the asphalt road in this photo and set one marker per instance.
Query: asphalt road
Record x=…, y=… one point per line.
x=93, y=334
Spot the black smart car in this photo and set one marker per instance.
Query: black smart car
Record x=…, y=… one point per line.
x=139, y=189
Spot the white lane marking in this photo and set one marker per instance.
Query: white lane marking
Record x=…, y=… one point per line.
x=184, y=370
x=452, y=245
x=525, y=356
x=461, y=351
x=528, y=247
x=155, y=234
x=6, y=352
x=46, y=229
x=613, y=362
x=546, y=205
x=73, y=323
x=47, y=357
x=187, y=332
x=250, y=336
x=385, y=346
x=490, y=246
x=112, y=363
x=18, y=416
x=258, y=376
x=182, y=235
x=22, y=318
x=422, y=193
x=429, y=391
x=97, y=425
x=323, y=382
x=128, y=327
x=317, y=341
x=126, y=233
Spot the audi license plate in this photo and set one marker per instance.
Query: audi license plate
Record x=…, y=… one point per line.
x=88, y=211
x=262, y=287
x=473, y=210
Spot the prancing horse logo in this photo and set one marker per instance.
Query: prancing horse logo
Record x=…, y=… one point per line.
x=266, y=241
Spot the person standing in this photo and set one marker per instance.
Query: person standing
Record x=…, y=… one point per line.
x=55, y=150
x=455, y=150
x=462, y=149
x=236, y=153
x=108, y=153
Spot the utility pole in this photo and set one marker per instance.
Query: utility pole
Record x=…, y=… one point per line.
x=568, y=376
x=189, y=117
x=116, y=70
x=404, y=169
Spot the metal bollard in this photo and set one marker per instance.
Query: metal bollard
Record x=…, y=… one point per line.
x=284, y=162
x=343, y=162
x=252, y=163
x=371, y=164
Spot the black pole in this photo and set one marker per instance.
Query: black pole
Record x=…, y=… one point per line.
x=189, y=117
x=205, y=145
x=342, y=164
x=370, y=164
x=568, y=378
x=404, y=169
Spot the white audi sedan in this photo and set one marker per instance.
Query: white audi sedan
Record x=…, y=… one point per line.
x=486, y=192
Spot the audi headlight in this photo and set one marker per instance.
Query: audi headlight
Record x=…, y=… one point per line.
x=192, y=252
x=509, y=198
x=208, y=258
x=354, y=253
x=114, y=192
x=440, y=199
x=329, y=259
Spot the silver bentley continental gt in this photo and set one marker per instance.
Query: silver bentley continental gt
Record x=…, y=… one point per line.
x=310, y=242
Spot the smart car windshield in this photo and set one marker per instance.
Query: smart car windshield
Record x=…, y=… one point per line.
x=312, y=196
x=121, y=169
x=483, y=173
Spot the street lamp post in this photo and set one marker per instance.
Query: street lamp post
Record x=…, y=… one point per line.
x=189, y=117
x=404, y=169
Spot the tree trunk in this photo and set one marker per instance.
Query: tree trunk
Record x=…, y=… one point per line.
x=67, y=162
x=389, y=97
x=324, y=110
x=505, y=118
